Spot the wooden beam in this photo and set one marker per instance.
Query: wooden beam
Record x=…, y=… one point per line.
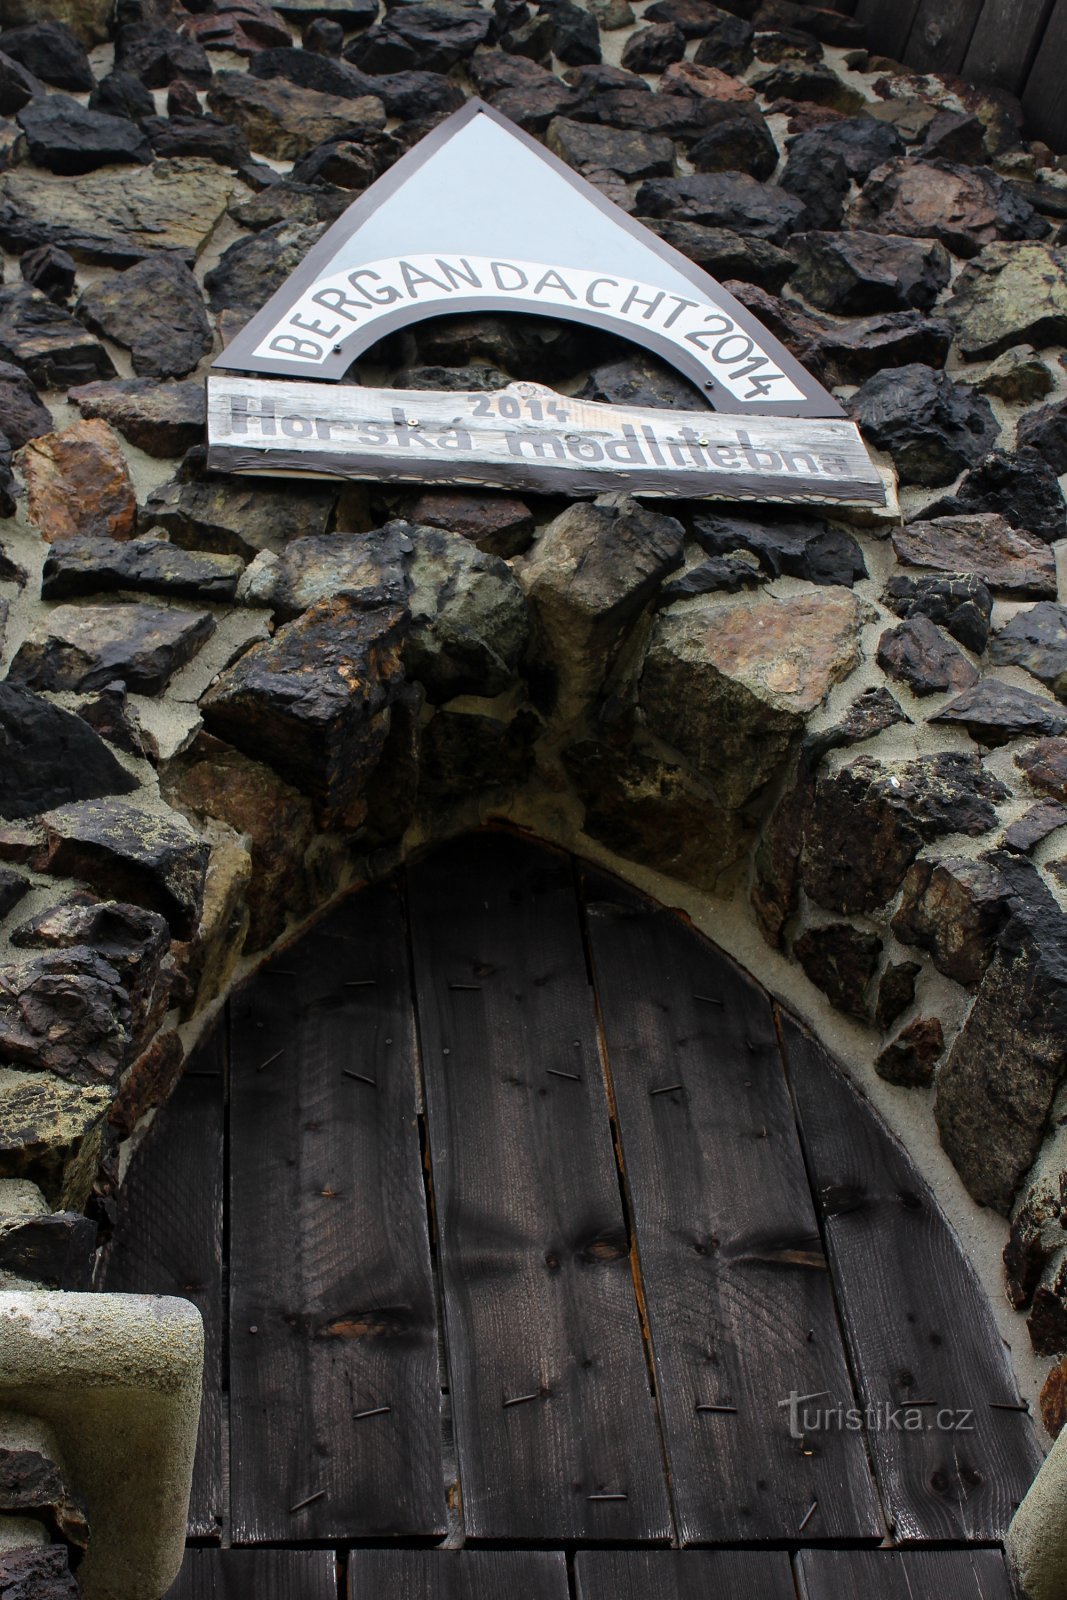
x=257, y=1575
x=167, y=1239
x=888, y=24
x=1044, y=94
x=335, y=1402
x=457, y=1575
x=528, y=437
x=940, y=34
x=953, y=1447
x=683, y=1575
x=736, y=1286
x=903, y=1575
x=1005, y=42
x=555, y=1426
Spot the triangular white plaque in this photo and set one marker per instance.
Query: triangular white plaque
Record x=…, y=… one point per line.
x=479, y=217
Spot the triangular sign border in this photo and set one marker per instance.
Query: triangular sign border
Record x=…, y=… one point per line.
x=240, y=355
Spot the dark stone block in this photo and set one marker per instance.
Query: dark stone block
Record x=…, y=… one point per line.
x=156, y=862
x=50, y=757
x=841, y=961
x=918, y=653
x=994, y=713
x=652, y=49
x=57, y=1251
x=869, y=821
x=55, y=350
x=65, y=137
x=1037, y=640
x=932, y=427
x=51, y=52
x=786, y=546
x=953, y=910
x=962, y=605
x=723, y=200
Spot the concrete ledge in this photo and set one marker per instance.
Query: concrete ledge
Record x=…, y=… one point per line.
x=118, y=1377
x=1037, y=1539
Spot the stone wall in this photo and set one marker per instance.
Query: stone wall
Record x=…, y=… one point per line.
x=224, y=701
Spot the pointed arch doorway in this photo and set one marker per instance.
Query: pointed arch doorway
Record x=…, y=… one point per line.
x=520, y=1215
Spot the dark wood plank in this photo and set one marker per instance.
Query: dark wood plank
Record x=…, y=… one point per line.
x=168, y=1240
x=334, y=1382
x=1044, y=94
x=539, y=1294
x=916, y=1318
x=736, y=1286
x=902, y=1575
x=257, y=1575
x=1005, y=42
x=941, y=34
x=457, y=1575
x=888, y=24
x=684, y=1575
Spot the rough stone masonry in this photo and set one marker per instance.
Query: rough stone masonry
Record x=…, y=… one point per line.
x=223, y=702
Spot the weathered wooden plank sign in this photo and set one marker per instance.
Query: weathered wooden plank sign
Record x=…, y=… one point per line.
x=527, y=437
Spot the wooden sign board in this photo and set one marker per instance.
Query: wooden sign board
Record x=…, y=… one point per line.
x=527, y=437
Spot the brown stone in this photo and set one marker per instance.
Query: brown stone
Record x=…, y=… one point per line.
x=498, y=524
x=148, y=1082
x=244, y=26
x=917, y=653
x=275, y=820
x=37, y=1574
x=647, y=809
x=224, y=920
x=985, y=546
x=912, y=1056
x=964, y=207
x=952, y=909
x=777, y=859
x=1035, y=825
x=33, y=1485
x=1054, y=1400
x=841, y=960
x=1045, y=764
x=896, y=992
x=314, y=702
x=281, y=120
x=1047, y=1322
x=729, y=682
x=996, y=1089
x=709, y=83
x=77, y=481
x=588, y=577
x=162, y=419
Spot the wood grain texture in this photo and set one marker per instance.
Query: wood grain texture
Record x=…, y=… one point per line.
x=527, y=436
x=683, y=1575
x=941, y=34
x=257, y=1575
x=888, y=24
x=457, y=1575
x=1045, y=91
x=1005, y=42
x=728, y=1243
x=167, y=1239
x=918, y=1323
x=902, y=1575
x=335, y=1390
x=539, y=1294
